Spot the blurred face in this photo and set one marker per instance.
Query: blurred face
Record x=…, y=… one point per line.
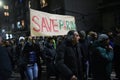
x=33, y=41
x=106, y=42
x=76, y=38
x=95, y=36
x=22, y=42
x=7, y=43
x=30, y=39
x=51, y=41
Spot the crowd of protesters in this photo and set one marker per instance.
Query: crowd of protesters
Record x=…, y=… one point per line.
x=75, y=56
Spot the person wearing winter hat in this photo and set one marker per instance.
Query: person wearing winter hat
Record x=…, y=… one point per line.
x=102, y=37
x=102, y=58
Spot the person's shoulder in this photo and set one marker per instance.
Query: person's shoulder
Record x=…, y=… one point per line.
x=2, y=48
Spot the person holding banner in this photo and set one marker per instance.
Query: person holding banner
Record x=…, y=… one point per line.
x=68, y=59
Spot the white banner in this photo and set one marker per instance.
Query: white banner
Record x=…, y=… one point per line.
x=46, y=24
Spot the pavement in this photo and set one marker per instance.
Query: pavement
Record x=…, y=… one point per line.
x=16, y=75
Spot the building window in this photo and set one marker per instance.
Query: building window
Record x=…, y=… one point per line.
x=43, y=3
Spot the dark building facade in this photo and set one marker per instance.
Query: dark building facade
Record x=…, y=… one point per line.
x=97, y=15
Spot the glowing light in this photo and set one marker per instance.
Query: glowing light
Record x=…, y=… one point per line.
x=43, y=3
x=6, y=13
x=1, y=3
x=6, y=7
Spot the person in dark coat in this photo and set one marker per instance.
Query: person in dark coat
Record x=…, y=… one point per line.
x=117, y=55
x=5, y=64
x=49, y=54
x=68, y=58
x=31, y=53
x=102, y=58
x=85, y=53
x=20, y=61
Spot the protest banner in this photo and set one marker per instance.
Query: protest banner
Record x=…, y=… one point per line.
x=46, y=24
